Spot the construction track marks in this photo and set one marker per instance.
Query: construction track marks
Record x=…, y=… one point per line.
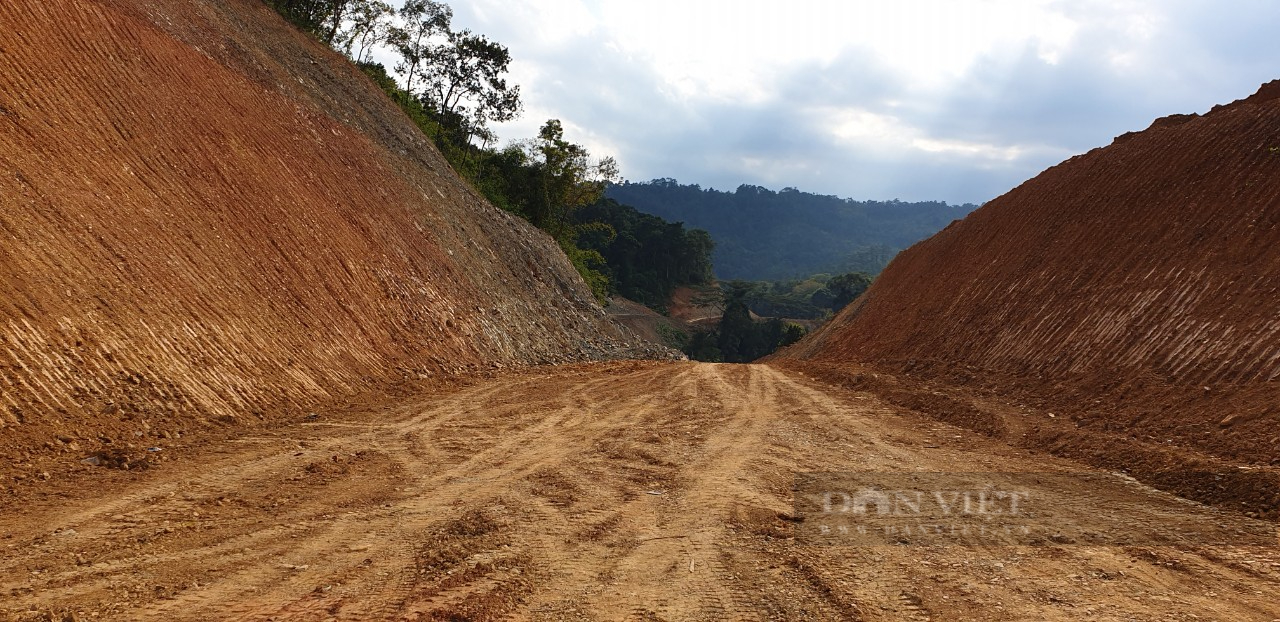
x=607, y=492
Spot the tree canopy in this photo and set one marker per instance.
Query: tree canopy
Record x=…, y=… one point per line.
x=645, y=257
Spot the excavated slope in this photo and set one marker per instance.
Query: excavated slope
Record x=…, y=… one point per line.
x=205, y=215
x=1136, y=286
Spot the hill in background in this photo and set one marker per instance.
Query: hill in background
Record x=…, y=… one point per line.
x=765, y=235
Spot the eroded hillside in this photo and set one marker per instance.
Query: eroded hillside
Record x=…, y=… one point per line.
x=1134, y=289
x=206, y=216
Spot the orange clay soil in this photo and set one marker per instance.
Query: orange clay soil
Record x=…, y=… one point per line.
x=264, y=357
x=208, y=219
x=615, y=491
x=1133, y=292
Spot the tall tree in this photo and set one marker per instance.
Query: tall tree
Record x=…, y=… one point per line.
x=369, y=24
x=465, y=84
x=568, y=179
x=847, y=287
x=336, y=12
x=421, y=22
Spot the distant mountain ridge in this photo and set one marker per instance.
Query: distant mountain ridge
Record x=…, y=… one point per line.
x=761, y=234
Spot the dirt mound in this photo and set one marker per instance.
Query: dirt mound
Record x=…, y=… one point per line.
x=701, y=306
x=209, y=218
x=1130, y=292
x=642, y=320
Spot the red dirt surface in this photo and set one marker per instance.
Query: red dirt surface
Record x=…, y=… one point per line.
x=696, y=306
x=1120, y=308
x=690, y=309
x=609, y=491
x=207, y=218
x=239, y=292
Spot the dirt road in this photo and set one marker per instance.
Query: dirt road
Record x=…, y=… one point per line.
x=640, y=491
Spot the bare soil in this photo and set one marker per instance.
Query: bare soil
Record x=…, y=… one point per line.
x=209, y=219
x=1131, y=291
x=640, y=491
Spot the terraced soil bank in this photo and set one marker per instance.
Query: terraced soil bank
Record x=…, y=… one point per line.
x=264, y=356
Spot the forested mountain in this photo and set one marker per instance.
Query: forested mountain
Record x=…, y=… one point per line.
x=765, y=235
x=645, y=257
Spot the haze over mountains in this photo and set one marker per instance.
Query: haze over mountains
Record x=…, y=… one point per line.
x=761, y=234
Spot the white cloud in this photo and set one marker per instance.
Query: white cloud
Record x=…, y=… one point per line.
x=726, y=49
x=920, y=99
x=968, y=149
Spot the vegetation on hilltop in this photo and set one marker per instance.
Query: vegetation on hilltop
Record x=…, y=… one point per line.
x=453, y=87
x=765, y=235
x=451, y=84
x=816, y=297
x=646, y=257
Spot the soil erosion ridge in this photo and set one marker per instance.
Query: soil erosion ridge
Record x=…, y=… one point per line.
x=209, y=217
x=1129, y=293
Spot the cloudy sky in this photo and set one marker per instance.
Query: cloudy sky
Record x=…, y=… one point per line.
x=913, y=99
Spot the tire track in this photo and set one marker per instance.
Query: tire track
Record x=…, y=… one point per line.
x=605, y=493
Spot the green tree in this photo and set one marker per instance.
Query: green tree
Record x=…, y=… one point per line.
x=336, y=12
x=739, y=338
x=568, y=178
x=646, y=257
x=464, y=85
x=312, y=16
x=702, y=347
x=369, y=24
x=845, y=288
x=421, y=21
x=791, y=333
